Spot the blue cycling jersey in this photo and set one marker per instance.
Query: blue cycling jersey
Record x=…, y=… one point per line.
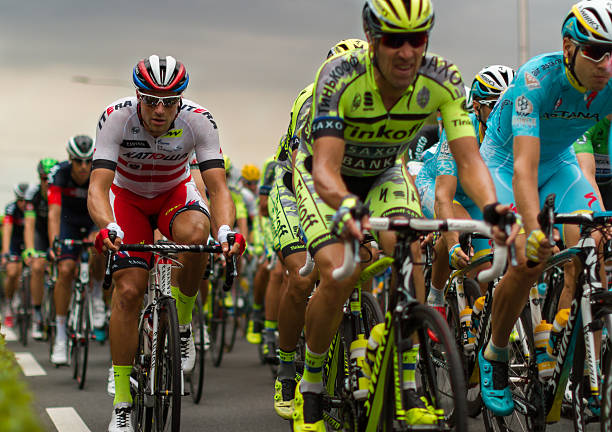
x=442, y=162
x=546, y=102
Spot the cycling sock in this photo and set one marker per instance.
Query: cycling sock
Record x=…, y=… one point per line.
x=122, y=384
x=270, y=330
x=312, y=381
x=495, y=353
x=435, y=297
x=257, y=312
x=60, y=328
x=286, y=368
x=409, y=359
x=184, y=305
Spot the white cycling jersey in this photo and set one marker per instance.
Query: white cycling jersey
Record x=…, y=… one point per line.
x=150, y=166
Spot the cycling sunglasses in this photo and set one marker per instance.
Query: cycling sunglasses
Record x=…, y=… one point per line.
x=392, y=40
x=153, y=101
x=487, y=102
x=80, y=161
x=595, y=53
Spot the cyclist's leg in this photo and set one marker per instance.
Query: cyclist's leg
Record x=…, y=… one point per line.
x=13, y=270
x=274, y=291
x=37, y=286
x=184, y=218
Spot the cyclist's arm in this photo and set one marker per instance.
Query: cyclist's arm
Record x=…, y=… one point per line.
x=587, y=165
x=28, y=230
x=98, y=202
x=525, y=180
x=196, y=175
x=327, y=153
x=263, y=205
x=473, y=173
x=53, y=224
x=7, y=231
x=446, y=187
x=222, y=209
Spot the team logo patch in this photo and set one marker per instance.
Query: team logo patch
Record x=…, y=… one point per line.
x=368, y=99
x=135, y=130
x=173, y=133
x=135, y=144
x=531, y=81
x=423, y=97
x=523, y=106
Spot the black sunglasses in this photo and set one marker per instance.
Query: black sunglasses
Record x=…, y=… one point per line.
x=392, y=40
x=81, y=161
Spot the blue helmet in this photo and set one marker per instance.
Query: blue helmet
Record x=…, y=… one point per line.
x=589, y=22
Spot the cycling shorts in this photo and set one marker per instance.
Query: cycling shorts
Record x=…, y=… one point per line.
x=74, y=231
x=388, y=194
x=138, y=217
x=16, y=247
x=41, y=240
x=283, y=211
x=564, y=178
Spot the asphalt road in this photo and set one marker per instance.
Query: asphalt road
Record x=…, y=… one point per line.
x=238, y=395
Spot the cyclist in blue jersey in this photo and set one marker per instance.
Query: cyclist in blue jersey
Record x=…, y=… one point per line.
x=442, y=195
x=553, y=100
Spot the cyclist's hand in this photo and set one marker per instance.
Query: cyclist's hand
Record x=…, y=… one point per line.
x=239, y=243
x=27, y=256
x=425, y=240
x=50, y=254
x=103, y=242
x=457, y=258
x=492, y=214
x=538, y=247
x=343, y=221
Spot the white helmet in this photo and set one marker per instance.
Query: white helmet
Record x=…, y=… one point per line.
x=491, y=82
x=80, y=147
x=589, y=22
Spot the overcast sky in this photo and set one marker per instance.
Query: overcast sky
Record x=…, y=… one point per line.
x=247, y=61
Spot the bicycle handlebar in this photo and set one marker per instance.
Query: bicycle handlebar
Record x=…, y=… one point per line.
x=230, y=269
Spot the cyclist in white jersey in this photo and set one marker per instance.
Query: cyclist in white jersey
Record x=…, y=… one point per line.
x=141, y=181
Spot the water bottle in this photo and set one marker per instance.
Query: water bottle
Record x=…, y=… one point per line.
x=477, y=312
x=376, y=336
x=546, y=364
x=557, y=332
x=358, y=360
x=467, y=337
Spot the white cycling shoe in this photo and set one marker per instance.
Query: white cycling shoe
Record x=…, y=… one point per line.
x=59, y=355
x=121, y=420
x=188, y=352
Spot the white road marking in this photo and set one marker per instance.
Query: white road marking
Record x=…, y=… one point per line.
x=66, y=419
x=29, y=365
x=9, y=334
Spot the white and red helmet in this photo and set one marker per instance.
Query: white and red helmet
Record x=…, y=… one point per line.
x=155, y=73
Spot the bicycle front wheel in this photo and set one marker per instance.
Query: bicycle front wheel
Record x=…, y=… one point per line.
x=606, y=370
x=167, y=402
x=440, y=368
x=196, y=379
x=217, y=324
x=81, y=342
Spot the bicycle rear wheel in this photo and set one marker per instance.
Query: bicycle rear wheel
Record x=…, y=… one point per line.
x=196, y=378
x=441, y=373
x=167, y=402
x=140, y=383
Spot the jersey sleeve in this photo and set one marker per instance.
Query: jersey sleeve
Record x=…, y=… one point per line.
x=445, y=162
x=584, y=144
x=526, y=100
x=207, y=147
x=9, y=213
x=457, y=123
x=333, y=77
x=109, y=136
x=54, y=195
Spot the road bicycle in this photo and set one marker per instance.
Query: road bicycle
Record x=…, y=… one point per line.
x=157, y=379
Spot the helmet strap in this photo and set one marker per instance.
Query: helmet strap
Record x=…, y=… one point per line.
x=571, y=66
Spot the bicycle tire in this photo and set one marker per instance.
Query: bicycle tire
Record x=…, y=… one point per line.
x=521, y=364
x=83, y=332
x=472, y=292
x=143, y=414
x=217, y=324
x=196, y=378
x=24, y=312
x=72, y=321
x=167, y=401
x=437, y=357
x=606, y=369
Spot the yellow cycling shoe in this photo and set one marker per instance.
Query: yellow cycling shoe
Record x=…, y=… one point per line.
x=419, y=412
x=284, y=393
x=252, y=336
x=307, y=412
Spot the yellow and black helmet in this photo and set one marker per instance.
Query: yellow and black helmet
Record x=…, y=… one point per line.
x=346, y=45
x=250, y=173
x=397, y=16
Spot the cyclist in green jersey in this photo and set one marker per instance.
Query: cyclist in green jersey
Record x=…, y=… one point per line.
x=367, y=106
x=592, y=154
